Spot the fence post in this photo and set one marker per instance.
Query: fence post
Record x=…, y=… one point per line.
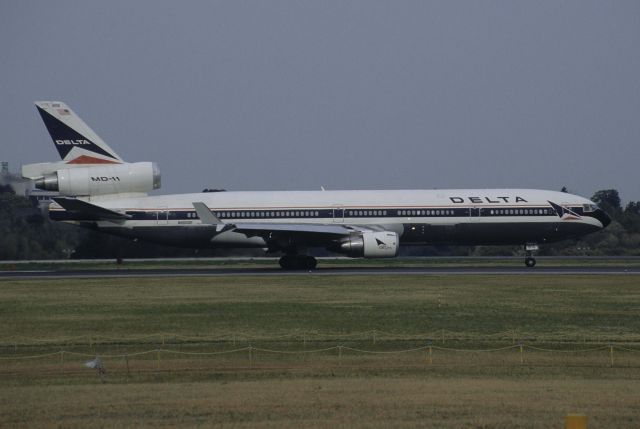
x=62, y=361
x=611, y=354
x=430, y=356
x=521, y=354
x=126, y=360
x=250, y=357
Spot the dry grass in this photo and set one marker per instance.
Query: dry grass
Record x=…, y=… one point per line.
x=423, y=401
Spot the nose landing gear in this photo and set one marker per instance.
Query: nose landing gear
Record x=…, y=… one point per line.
x=529, y=249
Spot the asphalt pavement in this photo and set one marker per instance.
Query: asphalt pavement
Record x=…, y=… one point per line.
x=342, y=271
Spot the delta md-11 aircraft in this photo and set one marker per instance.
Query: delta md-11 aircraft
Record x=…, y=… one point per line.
x=99, y=190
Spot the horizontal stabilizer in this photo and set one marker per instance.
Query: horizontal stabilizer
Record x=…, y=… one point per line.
x=88, y=209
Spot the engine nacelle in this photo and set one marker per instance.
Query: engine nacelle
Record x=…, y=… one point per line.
x=375, y=244
x=138, y=177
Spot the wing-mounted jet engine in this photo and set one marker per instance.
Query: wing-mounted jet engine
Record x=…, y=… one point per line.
x=370, y=244
x=89, y=166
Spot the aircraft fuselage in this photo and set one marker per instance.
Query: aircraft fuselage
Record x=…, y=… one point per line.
x=470, y=217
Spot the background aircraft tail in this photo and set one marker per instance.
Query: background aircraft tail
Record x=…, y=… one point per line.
x=75, y=141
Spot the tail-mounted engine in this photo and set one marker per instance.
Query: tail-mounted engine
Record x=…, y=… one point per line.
x=375, y=244
x=138, y=177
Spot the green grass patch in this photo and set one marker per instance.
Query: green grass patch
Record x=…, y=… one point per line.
x=562, y=307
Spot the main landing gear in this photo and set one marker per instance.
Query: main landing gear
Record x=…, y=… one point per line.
x=298, y=262
x=529, y=260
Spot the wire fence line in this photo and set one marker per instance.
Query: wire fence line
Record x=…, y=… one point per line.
x=64, y=363
x=439, y=336
x=428, y=353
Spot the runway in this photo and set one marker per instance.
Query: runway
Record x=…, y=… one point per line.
x=346, y=271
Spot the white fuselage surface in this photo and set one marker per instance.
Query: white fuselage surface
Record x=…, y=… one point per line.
x=454, y=216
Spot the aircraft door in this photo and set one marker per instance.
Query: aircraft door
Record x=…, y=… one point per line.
x=338, y=214
x=474, y=213
x=162, y=215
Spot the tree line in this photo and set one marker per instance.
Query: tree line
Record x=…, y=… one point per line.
x=27, y=233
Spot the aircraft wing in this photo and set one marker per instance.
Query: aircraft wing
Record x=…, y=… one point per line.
x=271, y=230
x=261, y=228
x=90, y=211
x=305, y=234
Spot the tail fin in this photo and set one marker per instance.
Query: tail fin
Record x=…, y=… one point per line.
x=75, y=141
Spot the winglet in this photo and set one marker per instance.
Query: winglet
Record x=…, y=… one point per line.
x=207, y=217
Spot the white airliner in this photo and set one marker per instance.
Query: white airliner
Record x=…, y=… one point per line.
x=101, y=191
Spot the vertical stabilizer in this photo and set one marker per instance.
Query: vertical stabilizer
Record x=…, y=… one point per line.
x=75, y=141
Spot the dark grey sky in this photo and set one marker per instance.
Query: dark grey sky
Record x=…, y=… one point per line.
x=271, y=95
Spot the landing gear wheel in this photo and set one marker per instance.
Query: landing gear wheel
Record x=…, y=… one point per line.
x=286, y=263
x=298, y=262
x=290, y=262
x=310, y=263
x=529, y=249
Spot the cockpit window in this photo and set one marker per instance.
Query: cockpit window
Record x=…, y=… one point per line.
x=589, y=208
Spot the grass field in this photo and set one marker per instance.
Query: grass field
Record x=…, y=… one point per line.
x=566, y=324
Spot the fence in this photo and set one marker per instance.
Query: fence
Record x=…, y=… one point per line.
x=337, y=356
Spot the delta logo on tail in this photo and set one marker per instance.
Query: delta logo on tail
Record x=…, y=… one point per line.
x=66, y=139
x=564, y=213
